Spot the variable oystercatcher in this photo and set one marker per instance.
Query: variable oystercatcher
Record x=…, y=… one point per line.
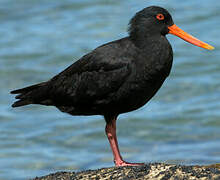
x=115, y=78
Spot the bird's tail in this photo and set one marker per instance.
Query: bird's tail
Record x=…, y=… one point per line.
x=35, y=94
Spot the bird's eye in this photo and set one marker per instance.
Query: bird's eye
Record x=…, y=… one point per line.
x=160, y=17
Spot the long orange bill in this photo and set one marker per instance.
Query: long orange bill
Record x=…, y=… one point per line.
x=175, y=30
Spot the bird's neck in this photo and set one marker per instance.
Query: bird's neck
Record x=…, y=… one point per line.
x=155, y=52
x=143, y=40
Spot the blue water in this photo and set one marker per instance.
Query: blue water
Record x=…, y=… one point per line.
x=39, y=38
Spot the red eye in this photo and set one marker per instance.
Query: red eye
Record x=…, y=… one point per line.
x=160, y=17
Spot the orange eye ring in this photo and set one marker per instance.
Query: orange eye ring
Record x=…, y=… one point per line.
x=160, y=17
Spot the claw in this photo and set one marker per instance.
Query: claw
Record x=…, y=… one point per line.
x=124, y=163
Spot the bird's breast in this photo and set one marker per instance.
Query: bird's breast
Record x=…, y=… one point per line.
x=146, y=79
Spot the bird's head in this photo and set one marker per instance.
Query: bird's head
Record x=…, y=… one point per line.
x=153, y=21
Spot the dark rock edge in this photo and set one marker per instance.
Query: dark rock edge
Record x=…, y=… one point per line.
x=148, y=171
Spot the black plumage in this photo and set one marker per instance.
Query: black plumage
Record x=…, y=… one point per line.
x=115, y=78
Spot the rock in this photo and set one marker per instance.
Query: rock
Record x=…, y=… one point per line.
x=153, y=171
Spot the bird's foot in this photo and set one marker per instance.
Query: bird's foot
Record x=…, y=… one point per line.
x=124, y=163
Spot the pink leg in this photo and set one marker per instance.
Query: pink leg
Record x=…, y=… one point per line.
x=110, y=130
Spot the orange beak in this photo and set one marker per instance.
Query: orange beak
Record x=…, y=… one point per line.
x=175, y=30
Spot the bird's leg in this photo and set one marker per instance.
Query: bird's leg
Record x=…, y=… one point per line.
x=110, y=130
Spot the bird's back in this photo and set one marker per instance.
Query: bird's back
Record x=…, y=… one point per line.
x=89, y=86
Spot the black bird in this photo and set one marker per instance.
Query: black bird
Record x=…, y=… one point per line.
x=115, y=78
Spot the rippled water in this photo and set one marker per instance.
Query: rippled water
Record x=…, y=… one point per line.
x=39, y=38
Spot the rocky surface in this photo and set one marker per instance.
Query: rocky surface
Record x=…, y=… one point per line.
x=153, y=171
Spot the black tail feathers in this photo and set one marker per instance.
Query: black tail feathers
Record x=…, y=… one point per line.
x=30, y=95
x=21, y=103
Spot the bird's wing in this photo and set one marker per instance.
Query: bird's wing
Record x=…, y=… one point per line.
x=94, y=77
